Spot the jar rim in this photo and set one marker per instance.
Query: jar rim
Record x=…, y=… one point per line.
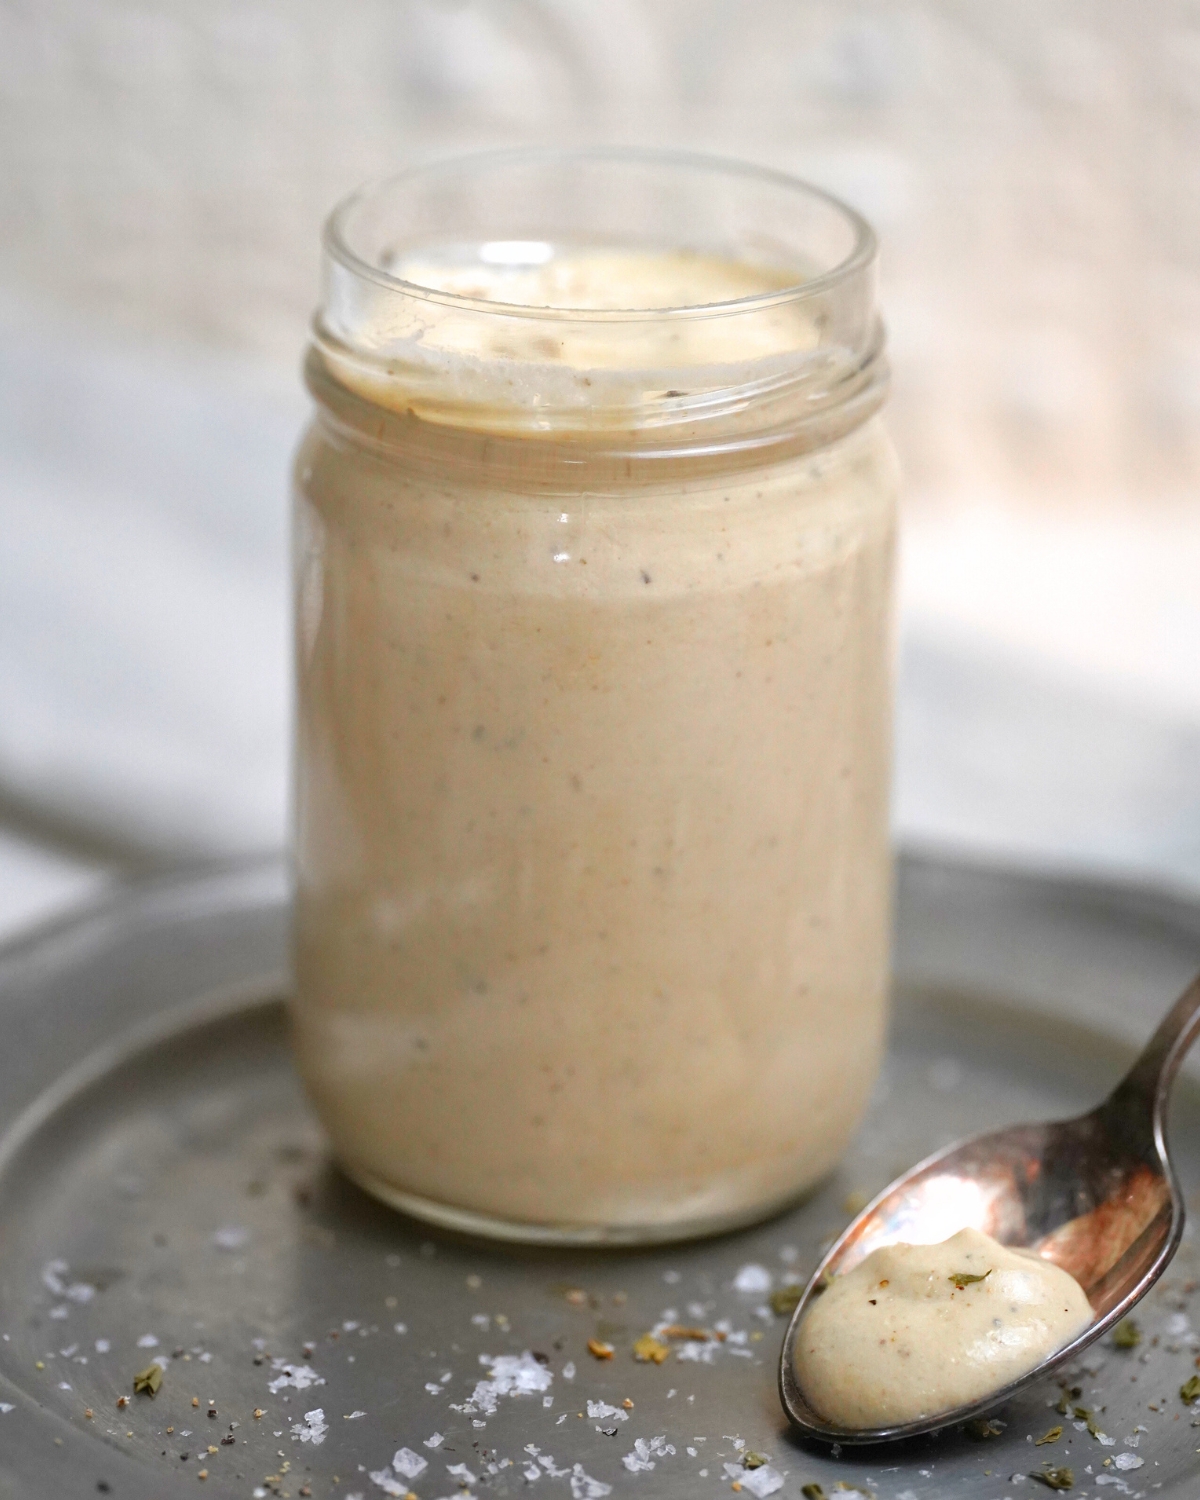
x=335, y=238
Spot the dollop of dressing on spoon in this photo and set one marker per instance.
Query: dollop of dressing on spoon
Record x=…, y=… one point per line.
x=915, y=1330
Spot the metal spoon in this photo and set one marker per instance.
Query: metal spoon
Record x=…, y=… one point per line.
x=1096, y=1195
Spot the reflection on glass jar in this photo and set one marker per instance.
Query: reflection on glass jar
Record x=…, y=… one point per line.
x=594, y=546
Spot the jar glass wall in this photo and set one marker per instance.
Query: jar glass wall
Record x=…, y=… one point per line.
x=593, y=554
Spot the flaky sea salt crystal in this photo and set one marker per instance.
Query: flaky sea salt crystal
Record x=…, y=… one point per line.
x=1127, y=1461
x=313, y=1428
x=299, y=1376
x=584, y=1487
x=764, y=1481
x=461, y=1472
x=231, y=1237
x=701, y=1354
x=597, y=1409
x=646, y=1451
x=752, y=1278
x=55, y=1278
x=434, y=1440
x=388, y=1483
x=551, y=1467
x=513, y=1374
x=408, y=1463
x=510, y=1375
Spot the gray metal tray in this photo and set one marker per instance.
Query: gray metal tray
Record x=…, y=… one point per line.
x=164, y=1194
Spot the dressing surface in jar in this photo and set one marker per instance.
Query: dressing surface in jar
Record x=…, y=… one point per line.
x=594, y=531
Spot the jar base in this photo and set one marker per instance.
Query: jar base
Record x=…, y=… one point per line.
x=527, y=1232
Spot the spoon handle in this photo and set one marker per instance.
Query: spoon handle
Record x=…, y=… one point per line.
x=1147, y=1085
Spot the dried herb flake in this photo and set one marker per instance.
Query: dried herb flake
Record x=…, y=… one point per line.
x=813, y=1492
x=1085, y=1414
x=963, y=1279
x=785, y=1299
x=147, y=1381
x=598, y=1349
x=1190, y=1390
x=754, y=1460
x=1126, y=1335
x=1048, y=1437
x=650, y=1350
x=1055, y=1479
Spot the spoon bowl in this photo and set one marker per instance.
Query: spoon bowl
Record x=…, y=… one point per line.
x=1096, y=1195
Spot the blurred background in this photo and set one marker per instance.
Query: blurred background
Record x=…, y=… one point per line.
x=1033, y=170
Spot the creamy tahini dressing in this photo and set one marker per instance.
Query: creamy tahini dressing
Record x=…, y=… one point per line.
x=508, y=372
x=907, y=1334
x=596, y=279
x=591, y=830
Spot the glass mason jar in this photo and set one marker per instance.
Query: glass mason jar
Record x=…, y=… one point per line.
x=594, y=534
